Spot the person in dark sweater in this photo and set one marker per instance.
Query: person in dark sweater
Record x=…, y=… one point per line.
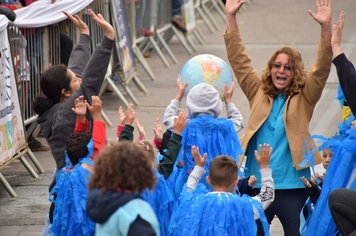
x=61, y=85
x=342, y=202
x=121, y=173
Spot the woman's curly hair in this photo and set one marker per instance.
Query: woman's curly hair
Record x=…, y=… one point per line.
x=299, y=75
x=122, y=166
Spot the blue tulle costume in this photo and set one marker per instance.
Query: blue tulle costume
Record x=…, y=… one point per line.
x=341, y=167
x=70, y=217
x=215, y=213
x=161, y=201
x=215, y=136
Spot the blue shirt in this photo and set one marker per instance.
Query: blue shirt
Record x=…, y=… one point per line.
x=273, y=132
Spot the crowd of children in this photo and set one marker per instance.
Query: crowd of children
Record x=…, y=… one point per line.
x=187, y=181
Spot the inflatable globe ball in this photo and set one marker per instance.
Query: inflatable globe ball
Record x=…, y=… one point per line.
x=206, y=68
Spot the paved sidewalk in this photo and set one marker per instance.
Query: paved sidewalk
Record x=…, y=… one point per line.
x=265, y=26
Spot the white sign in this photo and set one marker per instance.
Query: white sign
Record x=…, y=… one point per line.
x=12, y=137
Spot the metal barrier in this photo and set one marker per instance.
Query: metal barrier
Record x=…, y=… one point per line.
x=156, y=16
x=33, y=50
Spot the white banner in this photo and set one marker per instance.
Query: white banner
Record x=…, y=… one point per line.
x=43, y=13
x=12, y=137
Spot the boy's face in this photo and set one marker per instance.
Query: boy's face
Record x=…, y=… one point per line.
x=327, y=155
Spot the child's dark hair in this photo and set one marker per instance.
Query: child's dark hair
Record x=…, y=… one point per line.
x=122, y=166
x=223, y=171
x=77, y=146
x=53, y=80
x=147, y=147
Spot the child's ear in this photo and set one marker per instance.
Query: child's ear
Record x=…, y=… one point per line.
x=236, y=181
x=66, y=93
x=208, y=180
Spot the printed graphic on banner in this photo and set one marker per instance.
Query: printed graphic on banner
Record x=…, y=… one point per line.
x=123, y=39
x=188, y=13
x=12, y=137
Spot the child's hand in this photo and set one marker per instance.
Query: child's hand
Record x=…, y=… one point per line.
x=264, y=156
x=80, y=107
x=180, y=122
x=95, y=108
x=252, y=181
x=130, y=115
x=122, y=116
x=141, y=131
x=181, y=89
x=308, y=183
x=198, y=159
x=228, y=92
x=81, y=25
x=157, y=130
x=318, y=177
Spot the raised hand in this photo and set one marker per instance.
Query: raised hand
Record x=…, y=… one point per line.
x=95, y=108
x=252, y=181
x=158, y=130
x=122, y=116
x=308, y=183
x=130, y=114
x=81, y=25
x=80, y=107
x=228, y=92
x=181, y=89
x=336, y=34
x=103, y=24
x=323, y=12
x=180, y=122
x=233, y=6
x=141, y=130
x=198, y=159
x=263, y=156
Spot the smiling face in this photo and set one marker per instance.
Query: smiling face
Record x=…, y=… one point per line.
x=281, y=72
x=75, y=81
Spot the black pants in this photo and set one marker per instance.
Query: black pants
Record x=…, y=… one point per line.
x=287, y=206
x=342, y=205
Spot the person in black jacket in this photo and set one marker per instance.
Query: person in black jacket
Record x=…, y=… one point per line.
x=342, y=202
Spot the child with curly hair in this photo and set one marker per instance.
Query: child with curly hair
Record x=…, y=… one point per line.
x=114, y=202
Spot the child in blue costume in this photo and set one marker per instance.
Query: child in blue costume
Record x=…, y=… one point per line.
x=342, y=169
x=220, y=212
x=114, y=202
x=313, y=187
x=161, y=197
x=213, y=135
x=70, y=191
x=338, y=175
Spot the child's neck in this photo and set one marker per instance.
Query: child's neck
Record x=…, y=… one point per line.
x=221, y=189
